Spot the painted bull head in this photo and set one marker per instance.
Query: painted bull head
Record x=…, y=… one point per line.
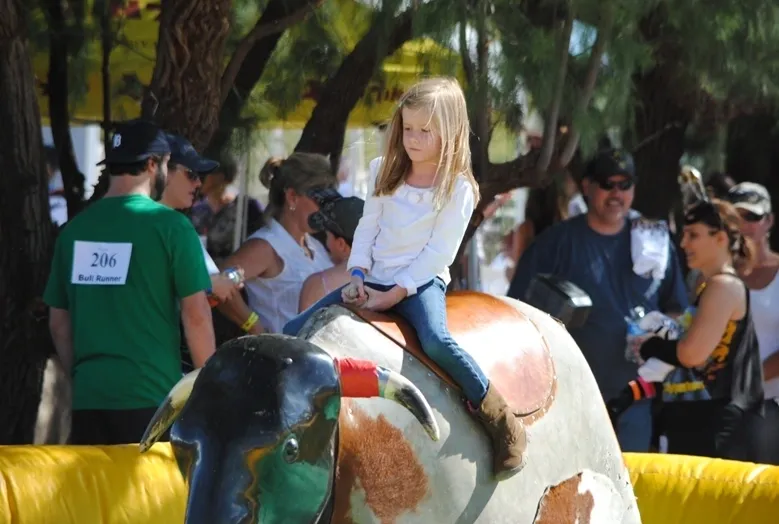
x=254, y=431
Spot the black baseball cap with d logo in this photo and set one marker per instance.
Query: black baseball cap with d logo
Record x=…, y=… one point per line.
x=134, y=141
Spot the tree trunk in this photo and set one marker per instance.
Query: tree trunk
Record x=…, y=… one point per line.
x=59, y=112
x=660, y=126
x=26, y=233
x=752, y=156
x=666, y=101
x=749, y=146
x=325, y=130
x=250, y=72
x=185, y=92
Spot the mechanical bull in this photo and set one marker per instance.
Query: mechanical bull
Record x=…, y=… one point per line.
x=276, y=429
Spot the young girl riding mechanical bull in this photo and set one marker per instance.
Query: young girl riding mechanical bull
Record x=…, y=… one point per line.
x=420, y=199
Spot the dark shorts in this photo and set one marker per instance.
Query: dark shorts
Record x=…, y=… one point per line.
x=98, y=427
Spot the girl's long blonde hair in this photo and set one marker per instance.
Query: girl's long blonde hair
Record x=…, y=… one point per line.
x=443, y=98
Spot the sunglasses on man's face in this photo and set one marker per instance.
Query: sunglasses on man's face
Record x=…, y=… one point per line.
x=191, y=175
x=609, y=185
x=749, y=216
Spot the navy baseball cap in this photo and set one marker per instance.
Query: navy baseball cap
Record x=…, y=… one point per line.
x=183, y=153
x=134, y=141
x=339, y=216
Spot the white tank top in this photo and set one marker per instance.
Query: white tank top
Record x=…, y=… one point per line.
x=276, y=299
x=764, y=303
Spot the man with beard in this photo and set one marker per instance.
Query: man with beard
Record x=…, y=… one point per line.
x=186, y=169
x=124, y=271
x=594, y=252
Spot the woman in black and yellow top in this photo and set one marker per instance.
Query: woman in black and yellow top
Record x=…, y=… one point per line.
x=713, y=402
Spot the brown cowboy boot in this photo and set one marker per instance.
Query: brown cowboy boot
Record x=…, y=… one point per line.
x=507, y=433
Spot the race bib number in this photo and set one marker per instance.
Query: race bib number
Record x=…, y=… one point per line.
x=101, y=263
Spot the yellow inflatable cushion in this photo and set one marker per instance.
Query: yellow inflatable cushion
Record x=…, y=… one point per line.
x=674, y=489
x=118, y=485
x=90, y=485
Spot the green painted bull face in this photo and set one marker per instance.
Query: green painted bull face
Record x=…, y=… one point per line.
x=254, y=431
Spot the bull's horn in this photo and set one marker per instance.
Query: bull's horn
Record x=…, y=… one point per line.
x=169, y=410
x=364, y=379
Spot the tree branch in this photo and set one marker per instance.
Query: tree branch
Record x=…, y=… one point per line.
x=468, y=68
x=482, y=86
x=498, y=179
x=260, y=31
x=324, y=132
x=505, y=176
x=250, y=72
x=550, y=127
x=588, y=87
x=60, y=41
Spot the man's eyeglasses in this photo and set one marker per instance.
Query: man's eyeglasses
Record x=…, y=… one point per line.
x=191, y=175
x=750, y=216
x=622, y=185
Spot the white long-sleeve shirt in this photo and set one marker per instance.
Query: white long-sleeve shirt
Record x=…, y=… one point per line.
x=401, y=239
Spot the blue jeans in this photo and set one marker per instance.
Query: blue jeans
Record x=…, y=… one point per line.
x=426, y=312
x=634, y=429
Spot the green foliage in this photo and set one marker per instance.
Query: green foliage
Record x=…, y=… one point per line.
x=308, y=52
x=80, y=31
x=532, y=58
x=245, y=14
x=724, y=46
x=731, y=50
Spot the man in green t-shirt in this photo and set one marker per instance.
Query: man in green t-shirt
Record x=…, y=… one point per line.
x=124, y=271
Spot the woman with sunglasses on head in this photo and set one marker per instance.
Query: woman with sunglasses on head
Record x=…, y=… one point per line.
x=278, y=257
x=714, y=402
x=753, y=203
x=718, y=185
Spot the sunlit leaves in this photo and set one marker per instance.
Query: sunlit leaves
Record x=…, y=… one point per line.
x=308, y=52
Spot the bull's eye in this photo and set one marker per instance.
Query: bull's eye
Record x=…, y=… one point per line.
x=291, y=450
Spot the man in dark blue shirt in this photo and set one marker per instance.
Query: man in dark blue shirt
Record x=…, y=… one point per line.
x=594, y=252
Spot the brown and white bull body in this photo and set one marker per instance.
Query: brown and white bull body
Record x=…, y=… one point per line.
x=386, y=468
x=389, y=471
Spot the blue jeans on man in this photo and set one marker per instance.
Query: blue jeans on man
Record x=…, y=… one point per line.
x=426, y=312
x=634, y=429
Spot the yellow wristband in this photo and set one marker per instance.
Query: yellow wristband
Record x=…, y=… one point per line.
x=250, y=322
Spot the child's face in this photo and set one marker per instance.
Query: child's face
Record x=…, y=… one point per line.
x=421, y=142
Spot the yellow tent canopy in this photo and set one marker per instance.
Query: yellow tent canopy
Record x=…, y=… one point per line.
x=132, y=64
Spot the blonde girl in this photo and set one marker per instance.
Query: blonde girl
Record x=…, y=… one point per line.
x=420, y=199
